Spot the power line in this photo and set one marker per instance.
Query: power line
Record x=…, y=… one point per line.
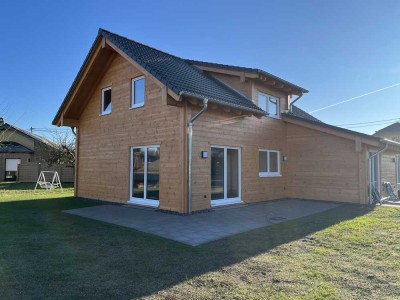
x=370, y=125
x=377, y=121
x=354, y=98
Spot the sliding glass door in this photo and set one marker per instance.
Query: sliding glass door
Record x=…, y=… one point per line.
x=225, y=175
x=145, y=175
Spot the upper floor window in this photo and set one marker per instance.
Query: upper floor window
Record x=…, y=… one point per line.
x=138, y=89
x=270, y=104
x=269, y=163
x=106, y=104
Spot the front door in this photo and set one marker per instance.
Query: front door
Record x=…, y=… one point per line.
x=225, y=175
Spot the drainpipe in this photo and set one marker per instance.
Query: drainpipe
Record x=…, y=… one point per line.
x=295, y=100
x=369, y=171
x=190, y=142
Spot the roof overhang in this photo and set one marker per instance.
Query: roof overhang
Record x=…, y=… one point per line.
x=196, y=99
x=255, y=74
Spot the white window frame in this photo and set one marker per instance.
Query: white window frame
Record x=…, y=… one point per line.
x=141, y=201
x=371, y=169
x=267, y=105
x=226, y=200
x=133, y=105
x=268, y=173
x=103, y=113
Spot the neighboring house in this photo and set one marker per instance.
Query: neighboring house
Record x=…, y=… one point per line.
x=390, y=163
x=137, y=141
x=19, y=146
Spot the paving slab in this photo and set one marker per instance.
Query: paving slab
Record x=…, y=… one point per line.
x=202, y=228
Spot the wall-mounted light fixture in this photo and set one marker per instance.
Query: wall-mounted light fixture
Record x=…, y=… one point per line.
x=204, y=154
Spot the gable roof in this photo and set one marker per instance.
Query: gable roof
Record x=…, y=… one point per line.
x=177, y=74
x=395, y=127
x=245, y=69
x=33, y=136
x=13, y=147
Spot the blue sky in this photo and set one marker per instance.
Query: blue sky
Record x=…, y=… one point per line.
x=336, y=49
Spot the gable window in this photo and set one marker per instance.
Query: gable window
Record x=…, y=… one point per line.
x=138, y=89
x=270, y=104
x=269, y=163
x=106, y=104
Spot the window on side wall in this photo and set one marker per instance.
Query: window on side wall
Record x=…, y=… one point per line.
x=106, y=101
x=269, y=163
x=138, y=90
x=269, y=104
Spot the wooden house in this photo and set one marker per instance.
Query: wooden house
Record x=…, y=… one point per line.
x=157, y=130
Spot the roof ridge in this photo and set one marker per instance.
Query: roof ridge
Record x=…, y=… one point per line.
x=219, y=64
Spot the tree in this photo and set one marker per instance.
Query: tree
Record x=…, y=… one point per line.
x=63, y=148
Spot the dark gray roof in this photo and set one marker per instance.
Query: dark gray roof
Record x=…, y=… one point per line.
x=298, y=112
x=180, y=76
x=245, y=69
x=13, y=147
x=28, y=134
x=395, y=127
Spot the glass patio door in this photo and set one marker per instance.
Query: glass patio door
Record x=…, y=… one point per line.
x=374, y=171
x=145, y=175
x=225, y=176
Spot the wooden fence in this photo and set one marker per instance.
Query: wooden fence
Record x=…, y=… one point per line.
x=29, y=172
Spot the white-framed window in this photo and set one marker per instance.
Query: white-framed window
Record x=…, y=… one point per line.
x=106, y=101
x=269, y=104
x=269, y=163
x=138, y=92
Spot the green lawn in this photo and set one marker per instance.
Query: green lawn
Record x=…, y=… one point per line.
x=350, y=252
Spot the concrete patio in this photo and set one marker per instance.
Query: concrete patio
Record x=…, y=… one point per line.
x=201, y=228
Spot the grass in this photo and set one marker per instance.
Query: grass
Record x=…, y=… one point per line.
x=350, y=252
x=12, y=191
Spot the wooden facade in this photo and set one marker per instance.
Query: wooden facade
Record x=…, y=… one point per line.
x=320, y=164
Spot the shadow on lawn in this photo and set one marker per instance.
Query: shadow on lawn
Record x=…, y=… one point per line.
x=51, y=254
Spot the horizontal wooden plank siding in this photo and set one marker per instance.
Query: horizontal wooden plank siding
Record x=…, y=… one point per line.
x=322, y=166
x=219, y=128
x=105, y=141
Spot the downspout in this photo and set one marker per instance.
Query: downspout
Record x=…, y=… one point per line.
x=190, y=142
x=294, y=101
x=369, y=170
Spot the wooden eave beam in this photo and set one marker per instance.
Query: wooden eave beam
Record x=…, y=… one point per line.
x=70, y=122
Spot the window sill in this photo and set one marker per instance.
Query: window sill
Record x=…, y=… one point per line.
x=222, y=202
x=266, y=175
x=137, y=106
x=144, y=202
x=105, y=114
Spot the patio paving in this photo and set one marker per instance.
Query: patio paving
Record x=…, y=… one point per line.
x=201, y=228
